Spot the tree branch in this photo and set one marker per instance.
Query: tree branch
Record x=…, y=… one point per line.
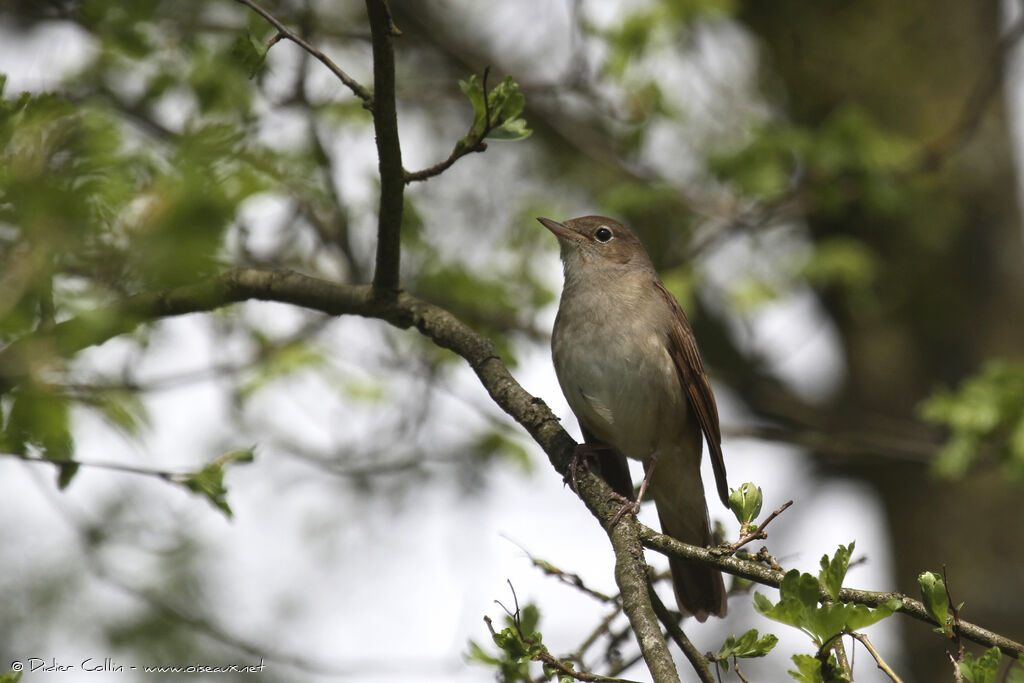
x=773, y=577
x=389, y=151
x=283, y=32
x=20, y=359
x=697, y=660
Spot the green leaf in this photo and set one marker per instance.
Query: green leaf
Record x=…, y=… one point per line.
x=495, y=114
x=935, y=599
x=745, y=502
x=248, y=54
x=209, y=481
x=834, y=571
x=41, y=418
x=11, y=676
x=981, y=670
x=808, y=669
x=1016, y=673
x=750, y=644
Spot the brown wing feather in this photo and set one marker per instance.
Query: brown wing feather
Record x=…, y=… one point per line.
x=683, y=347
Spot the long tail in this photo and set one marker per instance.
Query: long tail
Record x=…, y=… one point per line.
x=679, y=496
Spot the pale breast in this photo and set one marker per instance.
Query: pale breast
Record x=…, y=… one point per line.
x=615, y=370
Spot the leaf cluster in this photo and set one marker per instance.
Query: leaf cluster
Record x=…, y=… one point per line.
x=985, y=414
x=495, y=113
x=798, y=606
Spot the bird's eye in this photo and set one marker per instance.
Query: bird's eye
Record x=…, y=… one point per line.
x=603, y=234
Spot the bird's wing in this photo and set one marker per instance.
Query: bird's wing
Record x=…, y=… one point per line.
x=683, y=348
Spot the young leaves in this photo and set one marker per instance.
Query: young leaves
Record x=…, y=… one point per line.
x=495, y=114
x=745, y=502
x=936, y=601
x=985, y=413
x=747, y=645
x=984, y=669
x=798, y=602
x=519, y=644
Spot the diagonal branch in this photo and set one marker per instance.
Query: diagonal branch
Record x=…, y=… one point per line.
x=283, y=32
x=389, y=151
x=20, y=359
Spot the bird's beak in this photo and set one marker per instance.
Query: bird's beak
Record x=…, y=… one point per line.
x=561, y=231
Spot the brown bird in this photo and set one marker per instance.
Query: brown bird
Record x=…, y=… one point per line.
x=628, y=364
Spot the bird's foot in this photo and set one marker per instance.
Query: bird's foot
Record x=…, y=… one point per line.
x=628, y=507
x=580, y=459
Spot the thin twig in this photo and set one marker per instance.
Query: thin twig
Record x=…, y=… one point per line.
x=568, y=578
x=282, y=32
x=759, y=533
x=461, y=150
x=874, y=653
x=544, y=655
x=602, y=628
x=174, y=477
x=698, y=661
x=956, y=617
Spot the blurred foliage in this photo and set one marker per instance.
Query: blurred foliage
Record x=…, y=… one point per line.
x=654, y=23
x=849, y=156
x=141, y=170
x=984, y=416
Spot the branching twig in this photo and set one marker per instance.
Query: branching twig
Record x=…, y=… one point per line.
x=283, y=32
x=874, y=653
x=461, y=150
x=544, y=655
x=568, y=578
x=759, y=533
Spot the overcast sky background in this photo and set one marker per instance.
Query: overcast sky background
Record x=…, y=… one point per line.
x=424, y=572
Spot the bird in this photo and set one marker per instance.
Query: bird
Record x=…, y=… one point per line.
x=628, y=364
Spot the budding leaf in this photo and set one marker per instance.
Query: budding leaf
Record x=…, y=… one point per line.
x=981, y=670
x=936, y=602
x=745, y=502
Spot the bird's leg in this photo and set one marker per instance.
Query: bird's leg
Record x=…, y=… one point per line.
x=580, y=455
x=634, y=506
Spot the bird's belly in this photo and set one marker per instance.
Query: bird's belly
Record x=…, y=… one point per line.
x=624, y=390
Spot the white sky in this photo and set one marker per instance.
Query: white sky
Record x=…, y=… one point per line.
x=425, y=576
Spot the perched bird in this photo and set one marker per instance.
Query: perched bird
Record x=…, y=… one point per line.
x=628, y=364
